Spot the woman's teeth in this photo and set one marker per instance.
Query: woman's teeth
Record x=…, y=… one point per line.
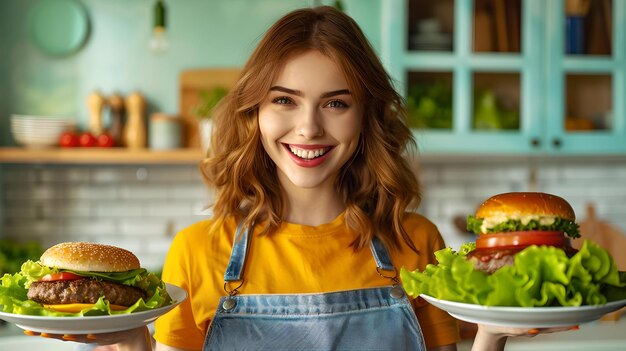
x=308, y=153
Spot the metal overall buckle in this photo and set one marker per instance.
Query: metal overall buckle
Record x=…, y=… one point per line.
x=396, y=289
x=230, y=302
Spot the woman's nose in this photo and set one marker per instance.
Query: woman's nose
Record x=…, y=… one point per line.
x=309, y=125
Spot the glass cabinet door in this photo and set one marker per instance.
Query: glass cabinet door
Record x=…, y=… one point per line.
x=429, y=100
x=588, y=27
x=588, y=102
x=497, y=26
x=430, y=25
x=586, y=70
x=519, y=77
x=465, y=90
x=496, y=101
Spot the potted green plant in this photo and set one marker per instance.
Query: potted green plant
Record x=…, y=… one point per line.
x=204, y=111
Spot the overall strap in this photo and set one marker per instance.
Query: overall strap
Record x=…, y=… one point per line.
x=234, y=270
x=238, y=255
x=381, y=255
x=383, y=262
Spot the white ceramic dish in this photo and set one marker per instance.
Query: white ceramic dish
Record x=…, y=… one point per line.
x=94, y=324
x=31, y=141
x=39, y=131
x=525, y=317
x=40, y=119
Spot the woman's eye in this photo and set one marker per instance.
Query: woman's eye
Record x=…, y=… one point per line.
x=336, y=104
x=282, y=100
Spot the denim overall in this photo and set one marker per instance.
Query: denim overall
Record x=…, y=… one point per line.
x=365, y=319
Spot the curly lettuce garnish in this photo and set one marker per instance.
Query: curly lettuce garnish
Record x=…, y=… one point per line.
x=14, y=289
x=541, y=276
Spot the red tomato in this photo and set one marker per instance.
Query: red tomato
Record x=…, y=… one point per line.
x=522, y=239
x=87, y=139
x=60, y=276
x=68, y=139
x=106, y=140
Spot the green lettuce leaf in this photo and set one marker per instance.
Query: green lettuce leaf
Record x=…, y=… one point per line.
x=615, y=293
x=33, y=271
x=570, y=228
x=541, y=276
x=14, y=289
x=474, y=224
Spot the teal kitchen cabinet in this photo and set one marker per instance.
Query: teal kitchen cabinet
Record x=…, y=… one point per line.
x=503, y=77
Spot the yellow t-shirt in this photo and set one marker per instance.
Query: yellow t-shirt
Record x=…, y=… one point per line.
x=295, y=259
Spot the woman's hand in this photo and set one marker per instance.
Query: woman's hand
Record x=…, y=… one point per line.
x=134, y=339
x=493, y=338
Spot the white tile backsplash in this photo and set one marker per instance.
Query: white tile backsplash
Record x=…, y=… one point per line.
x=117, y=175
x=71, y=209
x=69, y=175
x=142, y=228
x=141, y=208
x=169, y=208
x=187, y=192
x=97, y=226
x=87, y=191
x=120, y=208
x=143, y=191
x=20, y=228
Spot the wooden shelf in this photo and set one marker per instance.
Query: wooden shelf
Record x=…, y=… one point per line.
x=16, y=155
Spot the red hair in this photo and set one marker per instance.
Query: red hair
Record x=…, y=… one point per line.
x=377, y=183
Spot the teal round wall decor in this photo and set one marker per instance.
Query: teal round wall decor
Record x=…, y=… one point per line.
x=58, y=27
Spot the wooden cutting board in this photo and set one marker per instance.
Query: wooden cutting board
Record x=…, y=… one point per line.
x=604, y=234
x=609, y=237
x=191, y=84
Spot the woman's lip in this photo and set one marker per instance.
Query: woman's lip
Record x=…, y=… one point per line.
x=310, y=162
x=308, y=146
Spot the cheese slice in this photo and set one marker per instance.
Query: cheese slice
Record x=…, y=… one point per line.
x=490, y=222
x=77, y=307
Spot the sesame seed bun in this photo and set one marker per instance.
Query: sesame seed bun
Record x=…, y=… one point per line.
x=525, y=203
x=89, y=257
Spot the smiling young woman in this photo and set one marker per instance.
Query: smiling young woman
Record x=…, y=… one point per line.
x=308, y=162
x=311, y=218
x=310, y=127
x=377, y=178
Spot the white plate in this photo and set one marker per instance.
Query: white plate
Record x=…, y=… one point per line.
x=94, y=324
x=525, y=317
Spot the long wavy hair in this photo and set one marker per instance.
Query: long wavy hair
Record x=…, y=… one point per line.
x=377, y=183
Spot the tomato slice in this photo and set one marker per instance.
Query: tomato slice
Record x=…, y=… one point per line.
x=522, y=239
x=60, y=276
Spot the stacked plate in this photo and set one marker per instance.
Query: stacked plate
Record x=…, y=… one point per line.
x=39, y=131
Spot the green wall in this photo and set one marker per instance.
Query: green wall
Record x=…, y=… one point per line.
x=116, y=58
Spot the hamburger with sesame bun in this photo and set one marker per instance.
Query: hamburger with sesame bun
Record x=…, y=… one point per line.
x=508, y=223
x=80, y=278
x=522, y=257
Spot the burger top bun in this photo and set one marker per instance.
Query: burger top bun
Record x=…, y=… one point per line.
x=81, y=256
x=525, y=203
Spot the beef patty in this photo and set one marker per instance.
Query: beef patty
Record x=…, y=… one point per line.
x=83, y=291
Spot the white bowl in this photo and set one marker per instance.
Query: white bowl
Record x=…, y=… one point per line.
x=40, y=118
x=39, y=131
x=36, y=142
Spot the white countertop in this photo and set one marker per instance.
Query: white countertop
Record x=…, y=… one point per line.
x=13, y=338
x=596, y=336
